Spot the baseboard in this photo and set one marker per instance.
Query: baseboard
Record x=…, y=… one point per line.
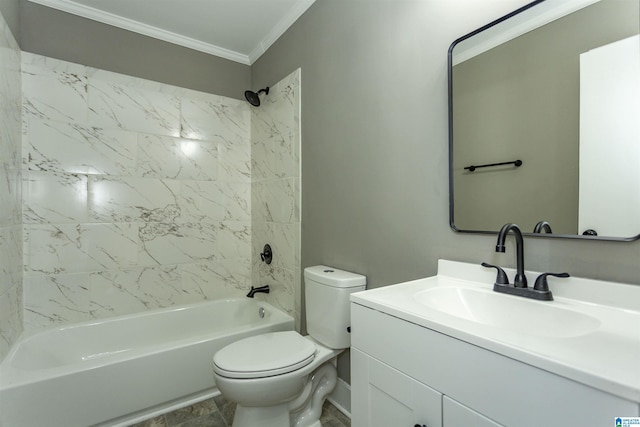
x=340, y=397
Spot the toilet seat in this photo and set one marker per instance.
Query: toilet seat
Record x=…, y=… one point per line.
x=265, y=355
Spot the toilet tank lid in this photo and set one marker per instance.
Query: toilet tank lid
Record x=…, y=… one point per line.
x=334, y=277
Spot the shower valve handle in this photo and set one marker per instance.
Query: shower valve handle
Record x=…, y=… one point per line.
x=267, y=254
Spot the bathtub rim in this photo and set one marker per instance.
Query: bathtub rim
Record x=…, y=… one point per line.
x=12, y=376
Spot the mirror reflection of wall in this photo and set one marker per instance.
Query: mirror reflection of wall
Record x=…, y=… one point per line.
x=521, y=100
x=610, y=139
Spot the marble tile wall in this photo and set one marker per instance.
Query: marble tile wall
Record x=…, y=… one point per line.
x=275, y=202
x=137, y=195
x=10, y=191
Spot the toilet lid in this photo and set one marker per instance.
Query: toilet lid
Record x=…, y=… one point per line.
x=265, y=355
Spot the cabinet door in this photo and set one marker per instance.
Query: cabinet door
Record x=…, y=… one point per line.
x=382, y=396
x=456, y=415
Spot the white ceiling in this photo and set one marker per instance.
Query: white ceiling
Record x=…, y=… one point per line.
x=239, y=30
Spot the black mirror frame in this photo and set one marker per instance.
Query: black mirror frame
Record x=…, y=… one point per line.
x=450, y=127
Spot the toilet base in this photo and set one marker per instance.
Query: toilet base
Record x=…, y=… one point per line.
x=304, y=411
x=264, y=416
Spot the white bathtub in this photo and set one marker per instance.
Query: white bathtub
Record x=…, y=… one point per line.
x=120, y=370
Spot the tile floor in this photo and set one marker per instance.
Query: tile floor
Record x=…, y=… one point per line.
x=218, y=412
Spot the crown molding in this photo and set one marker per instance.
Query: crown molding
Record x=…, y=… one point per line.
x=168, y=36
x=280, y=28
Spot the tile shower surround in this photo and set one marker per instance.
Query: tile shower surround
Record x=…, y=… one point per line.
x=275, y=189
x=138, y=195
x=10, y=191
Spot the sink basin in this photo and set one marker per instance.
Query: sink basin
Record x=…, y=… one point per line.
x=590, y=333
x=520, y=315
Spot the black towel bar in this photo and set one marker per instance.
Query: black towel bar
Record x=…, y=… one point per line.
x=517, y=163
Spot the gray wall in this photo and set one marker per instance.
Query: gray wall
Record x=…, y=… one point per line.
x=60, y=35
x=374, y=143
x=10, y=10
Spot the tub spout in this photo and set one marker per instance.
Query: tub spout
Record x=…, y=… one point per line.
x=262, y=289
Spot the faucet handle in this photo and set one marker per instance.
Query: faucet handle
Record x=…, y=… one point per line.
x=267, y=254
x=541, y=282
x=501, y=278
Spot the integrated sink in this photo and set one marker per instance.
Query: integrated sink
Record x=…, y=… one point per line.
x=589, y=333
x=507, y=312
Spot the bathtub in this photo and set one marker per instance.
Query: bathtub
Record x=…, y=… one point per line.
x=121, y=370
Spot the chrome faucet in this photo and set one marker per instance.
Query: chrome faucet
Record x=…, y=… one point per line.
x=263, y=289
x=520, y=280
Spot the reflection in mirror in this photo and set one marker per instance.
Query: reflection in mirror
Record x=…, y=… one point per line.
x=555, y=85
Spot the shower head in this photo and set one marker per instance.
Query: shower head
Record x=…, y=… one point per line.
x=253, y=97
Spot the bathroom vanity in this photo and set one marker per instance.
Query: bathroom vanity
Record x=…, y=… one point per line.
x=448, y=351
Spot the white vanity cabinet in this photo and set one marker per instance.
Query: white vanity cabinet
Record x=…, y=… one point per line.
x=403, y=374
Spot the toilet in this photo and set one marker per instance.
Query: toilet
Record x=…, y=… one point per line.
x=281, y=379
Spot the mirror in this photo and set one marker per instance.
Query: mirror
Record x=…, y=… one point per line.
x=544, y=121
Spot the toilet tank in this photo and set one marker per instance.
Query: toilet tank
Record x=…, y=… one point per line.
x=327, y=291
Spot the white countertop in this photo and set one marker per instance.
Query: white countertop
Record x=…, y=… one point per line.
x=606, y=357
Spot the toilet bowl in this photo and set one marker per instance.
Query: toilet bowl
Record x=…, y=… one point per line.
x=276, y=378
x=281, y=379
